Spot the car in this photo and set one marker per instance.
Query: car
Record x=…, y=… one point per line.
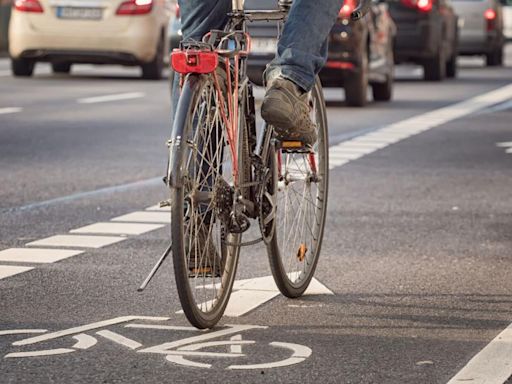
x=481, y=30
x=63, y=32
x=427, y=34
x=360, y=52
x=507, y=19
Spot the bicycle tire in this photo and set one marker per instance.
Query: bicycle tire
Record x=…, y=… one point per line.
x=203, y=296
x=292, y=275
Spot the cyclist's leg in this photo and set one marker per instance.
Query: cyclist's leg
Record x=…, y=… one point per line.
x=198, y=17
x=302, y=49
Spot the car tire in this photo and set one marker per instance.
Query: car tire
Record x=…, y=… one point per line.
x=356, y=83
x=22, y=67
x=61, y=67
x=451, y=67
x=153, y=69
x=435, y=69
x=495, y=58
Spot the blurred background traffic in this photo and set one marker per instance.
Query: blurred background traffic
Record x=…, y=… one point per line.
x=362, y=54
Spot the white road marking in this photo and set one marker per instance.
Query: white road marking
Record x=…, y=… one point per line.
x=492, y=365
x=145, y=217
x=36, y=255
x=507, y=145
x=108, y=98
x=21, y=331
x=248, y=294
x=118, y=228
x=84, y=341
x=401, y=130
x=244, y=301
x=4, y=73
x=236, y=348
x=77, y=241
x=182, y=361
x=5, y=111
x=162, y=327
x=158, y=208
x=44, y=352
x=300, y=353
x=11, y=270
x=119, y=339
x=85, y=328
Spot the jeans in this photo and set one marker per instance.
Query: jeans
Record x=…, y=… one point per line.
x=302, y=49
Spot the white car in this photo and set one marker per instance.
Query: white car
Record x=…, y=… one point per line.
x=64, y=32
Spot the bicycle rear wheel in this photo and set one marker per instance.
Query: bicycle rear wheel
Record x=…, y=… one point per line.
x=205, y=254
x=301, y=204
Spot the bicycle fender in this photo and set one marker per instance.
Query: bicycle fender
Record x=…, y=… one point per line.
x=179, y=132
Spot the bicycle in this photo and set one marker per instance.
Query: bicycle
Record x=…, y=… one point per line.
x=223, y=172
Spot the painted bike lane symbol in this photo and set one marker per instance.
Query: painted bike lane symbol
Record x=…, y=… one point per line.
x=190, y=351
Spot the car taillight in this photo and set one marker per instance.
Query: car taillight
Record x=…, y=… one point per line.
x=135, y=7
x=346, y=10
x=490, y=17
x=194, y=61
x=28, y=6
x=177, y=11
x=421, y=5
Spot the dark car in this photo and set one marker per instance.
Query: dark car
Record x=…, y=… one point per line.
x=360, y=52
x=427, y=34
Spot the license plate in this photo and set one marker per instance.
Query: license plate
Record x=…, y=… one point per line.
x=263, y=46
x=79, y=13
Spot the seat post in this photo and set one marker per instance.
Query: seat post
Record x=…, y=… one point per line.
x=238, y=5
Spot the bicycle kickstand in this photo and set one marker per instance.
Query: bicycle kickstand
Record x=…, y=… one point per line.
x=155, y=268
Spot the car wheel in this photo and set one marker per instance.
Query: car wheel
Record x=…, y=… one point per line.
x=153, y=69
x=61, y=67
x=22, y=67
x=495, y=58
x=356, y=84
x=435, y=69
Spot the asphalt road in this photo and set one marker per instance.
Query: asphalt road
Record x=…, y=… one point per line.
x=415, y=267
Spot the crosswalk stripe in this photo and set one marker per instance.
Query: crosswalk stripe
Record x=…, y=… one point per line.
x=77, y=241
x=36, y=255
x=118, y=228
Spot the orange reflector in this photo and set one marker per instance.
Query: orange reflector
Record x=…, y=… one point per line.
x=301, y=253
x=292, y=144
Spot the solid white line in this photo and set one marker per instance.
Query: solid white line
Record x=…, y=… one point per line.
x=107, y=98
x=36, y=255
x=5, y=111
x=85, y=328
x=145, y=217
x=77, y=241
x=118, y=228
x=492, y=365
x=11, y=270
x=119, y=339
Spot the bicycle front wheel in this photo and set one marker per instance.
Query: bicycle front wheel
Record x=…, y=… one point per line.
x=205, y=254
x=301, y=204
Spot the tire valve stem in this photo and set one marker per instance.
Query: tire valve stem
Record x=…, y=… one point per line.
x=301, y=252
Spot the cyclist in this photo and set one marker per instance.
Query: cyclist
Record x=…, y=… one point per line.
x=301, y=53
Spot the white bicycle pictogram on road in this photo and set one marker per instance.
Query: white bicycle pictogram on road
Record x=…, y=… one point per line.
x=183, y=352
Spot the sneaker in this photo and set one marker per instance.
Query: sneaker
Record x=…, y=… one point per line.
x=286, y=108
x=204, y=259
